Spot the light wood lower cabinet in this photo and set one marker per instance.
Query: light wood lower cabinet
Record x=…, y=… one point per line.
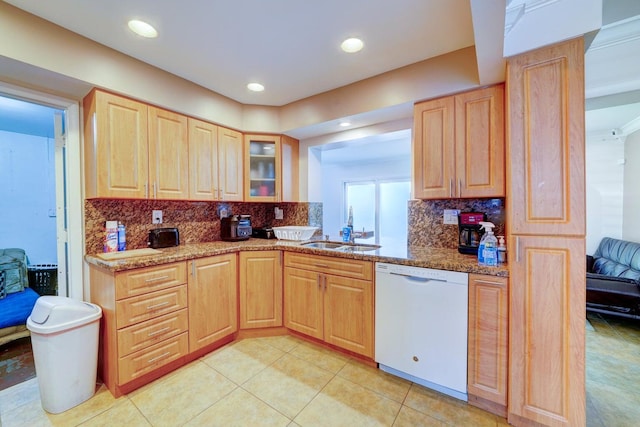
x=330, y=299
x=260, y=289
x=144, y=322
x=488, y=335
x=213, y=299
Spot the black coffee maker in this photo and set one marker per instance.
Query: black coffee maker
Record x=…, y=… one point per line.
x=470, y=232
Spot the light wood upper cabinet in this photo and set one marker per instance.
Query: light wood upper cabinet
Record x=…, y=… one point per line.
x=326, y=302
x=268, y=160
x=213, y=299
x=168, y=155
x=546, y=219
x=203, y=160
x=230, y=169
x=290, y=169
x=434, y=149
x=480, y=143
x=488, y=338
x=133, y=150
x=115, y=147
x=458, y=145
x=260, y=289
x=547, y=145
x=215, y=162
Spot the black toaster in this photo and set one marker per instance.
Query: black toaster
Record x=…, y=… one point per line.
x=164, y=238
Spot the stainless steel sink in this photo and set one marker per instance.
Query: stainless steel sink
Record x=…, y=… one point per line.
x=322, y=245
x=359, y=248
x=338, y=246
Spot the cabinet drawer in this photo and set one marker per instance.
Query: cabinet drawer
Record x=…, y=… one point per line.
x=142, y=335
x=138, y=309
x=149, y=279
x=325, y=264
x=149, y=359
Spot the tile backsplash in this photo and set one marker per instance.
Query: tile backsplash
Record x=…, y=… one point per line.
x=425, y=221
x=196, y=221
x=199, y=221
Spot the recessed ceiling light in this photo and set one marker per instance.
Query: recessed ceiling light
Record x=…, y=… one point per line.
x=255, y=87
x=345, y=124
x=352, y=45
x=143, y=29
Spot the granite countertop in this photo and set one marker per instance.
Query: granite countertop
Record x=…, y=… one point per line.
x=438, y=258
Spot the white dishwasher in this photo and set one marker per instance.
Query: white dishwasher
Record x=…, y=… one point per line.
x=421, y=326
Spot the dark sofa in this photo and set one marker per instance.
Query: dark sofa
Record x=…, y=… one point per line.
x=613, y=278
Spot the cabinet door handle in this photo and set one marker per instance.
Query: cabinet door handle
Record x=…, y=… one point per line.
x=159, y=331
x=155, y=196
x=162, y=356
x=460, y=187
x=156, y=279
x=193, y=269
x=146, y=190
x=450, y=187
x=153, y=307
x=325, y=283
x=319, y=280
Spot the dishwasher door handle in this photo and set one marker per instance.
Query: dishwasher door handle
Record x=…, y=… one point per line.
x=418, y=279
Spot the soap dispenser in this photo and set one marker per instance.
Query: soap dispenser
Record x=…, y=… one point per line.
x=502, y=250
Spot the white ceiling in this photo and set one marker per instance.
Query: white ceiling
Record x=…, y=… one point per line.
x=292, y=46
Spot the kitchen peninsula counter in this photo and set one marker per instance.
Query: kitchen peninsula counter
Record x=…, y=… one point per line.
x=427, y=257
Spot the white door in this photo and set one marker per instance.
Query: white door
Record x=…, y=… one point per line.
x=61, y=203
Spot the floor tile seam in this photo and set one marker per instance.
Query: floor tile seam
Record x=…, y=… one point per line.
x=269, y=405
x=315, y=365
x=318, y=393
x=226, y=377
x=445, y=421
x=236, y=386
x=116, y=403
x=185, y=422
x=278, y=348
x=372, y=389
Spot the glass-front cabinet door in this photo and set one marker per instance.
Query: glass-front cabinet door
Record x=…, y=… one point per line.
x=262, y=168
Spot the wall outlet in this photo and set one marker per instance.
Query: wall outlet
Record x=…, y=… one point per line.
x=451, y=216
x=156, y=217
x=279, y=213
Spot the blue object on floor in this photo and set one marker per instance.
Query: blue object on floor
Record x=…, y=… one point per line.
x=16, y=307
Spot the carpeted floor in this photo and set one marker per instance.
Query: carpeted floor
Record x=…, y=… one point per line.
x=16, y=362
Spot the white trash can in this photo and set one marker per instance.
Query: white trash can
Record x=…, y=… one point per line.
x=64, y=337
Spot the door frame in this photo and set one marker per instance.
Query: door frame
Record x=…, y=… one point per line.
x=74, y=286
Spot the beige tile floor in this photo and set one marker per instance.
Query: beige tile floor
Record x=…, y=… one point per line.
x=612, y=371
x=277, y=381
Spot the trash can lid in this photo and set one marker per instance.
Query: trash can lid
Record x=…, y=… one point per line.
x=54, y=313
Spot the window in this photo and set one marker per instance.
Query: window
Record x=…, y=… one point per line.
x=381, y=207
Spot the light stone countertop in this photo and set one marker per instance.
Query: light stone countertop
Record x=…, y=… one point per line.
x=437, y=258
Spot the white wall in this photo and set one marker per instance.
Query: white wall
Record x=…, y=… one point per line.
x=27, y=192
x=631, y=219
x=334, y=176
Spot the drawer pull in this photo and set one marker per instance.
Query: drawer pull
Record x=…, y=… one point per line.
x=162, y=356
x=152, y=307
x=159, y=331
x=322, y=265
x=156, y=279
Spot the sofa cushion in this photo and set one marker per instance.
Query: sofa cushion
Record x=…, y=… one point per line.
x=616, y=285
x=617, y=258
